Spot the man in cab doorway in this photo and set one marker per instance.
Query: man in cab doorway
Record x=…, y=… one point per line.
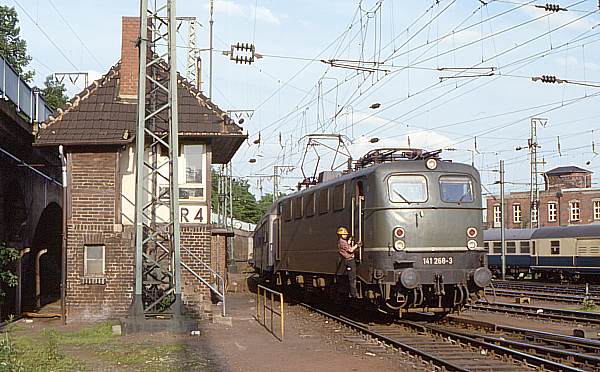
x=347, y=264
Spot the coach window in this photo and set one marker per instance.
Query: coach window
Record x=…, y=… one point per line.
x=524, y=247
x=324, y=201
x=497, y=216
x=497, y=247
x=555, y=247
x=511, y=247
x=574, y=210
x=407, y=189
x=517, y=213
x=309, y=209
x=456, y=189
x=339, y=196
x=551, y=212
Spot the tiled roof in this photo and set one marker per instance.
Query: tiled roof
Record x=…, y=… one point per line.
x=565, y=170
x=97, y=116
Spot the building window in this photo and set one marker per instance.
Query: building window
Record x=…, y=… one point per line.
x=497, y=216
x=555, y=247
x=524, y=247
x=511, y=247
x=534, y=214
x=551, y=212
x=497, y=247
x=574, y=211
x=517, y=213
x=597, y=209
x=93, y=256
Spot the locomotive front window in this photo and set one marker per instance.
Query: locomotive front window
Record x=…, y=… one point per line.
x=407, y=189
x=456, y=189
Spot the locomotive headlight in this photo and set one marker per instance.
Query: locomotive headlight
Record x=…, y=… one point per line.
x=399, y=245
x=410, y=278
x=431, y=164
x=472, y=232
x=472, y=244
x=482, y=277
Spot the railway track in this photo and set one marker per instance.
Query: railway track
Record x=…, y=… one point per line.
x=539, y=295
x=448, y=348
x=545, y=291
x=579, y=317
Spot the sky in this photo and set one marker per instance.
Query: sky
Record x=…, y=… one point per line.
x=448, y=74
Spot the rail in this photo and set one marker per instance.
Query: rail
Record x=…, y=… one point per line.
x=263, y=306
x=27, y=100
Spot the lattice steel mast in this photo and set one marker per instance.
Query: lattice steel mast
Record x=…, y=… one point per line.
x=157, y=233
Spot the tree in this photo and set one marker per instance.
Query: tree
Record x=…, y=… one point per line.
x=54, y=93
x=245, y=207
x=7, y=256
x=264, y=204
x=12, y=47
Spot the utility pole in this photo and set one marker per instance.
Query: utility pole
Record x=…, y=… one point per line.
x=502, y=220
x=276, y=169
x=210, y=67
x=157, y=236
x=534, y=190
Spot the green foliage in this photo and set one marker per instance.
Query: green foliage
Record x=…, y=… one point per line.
x=54, y=93
x=7, y=256
x=245, y=206
x=588, y=305
x=9, y=358
x=12, y=47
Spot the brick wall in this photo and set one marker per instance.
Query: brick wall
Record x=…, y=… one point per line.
x=197, y=240
x=93, y=205
x=585, y=198
x=91, y=220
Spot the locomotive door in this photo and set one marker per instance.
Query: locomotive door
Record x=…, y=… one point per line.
x=358, y=201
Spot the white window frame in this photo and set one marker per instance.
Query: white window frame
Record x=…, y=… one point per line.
x=552, y=211
x=534, y=213
x=497, y=219
x=596, y=204
x=85, y=260
x=517, y=213
x=574, y=210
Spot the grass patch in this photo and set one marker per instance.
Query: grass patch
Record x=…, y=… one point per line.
x=589, y=306
x=98, y=334
x=152, y=356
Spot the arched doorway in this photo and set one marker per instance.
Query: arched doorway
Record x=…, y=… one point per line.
x=48, y=236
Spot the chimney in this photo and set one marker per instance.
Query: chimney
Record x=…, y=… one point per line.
x=130, y=33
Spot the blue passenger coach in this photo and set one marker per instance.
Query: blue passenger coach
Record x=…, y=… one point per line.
x=561, y=252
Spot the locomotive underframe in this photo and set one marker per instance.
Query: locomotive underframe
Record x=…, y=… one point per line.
x=442, y=290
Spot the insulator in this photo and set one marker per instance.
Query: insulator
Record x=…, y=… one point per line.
x=552, y=7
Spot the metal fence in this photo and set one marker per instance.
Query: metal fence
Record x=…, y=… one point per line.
x=27, y=100
x=263, y=304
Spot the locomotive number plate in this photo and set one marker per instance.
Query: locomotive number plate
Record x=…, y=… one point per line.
x=437, y=260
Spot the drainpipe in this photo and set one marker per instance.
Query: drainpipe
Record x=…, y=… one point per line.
x=65, y=202
x=19, y=301
x=38, y=299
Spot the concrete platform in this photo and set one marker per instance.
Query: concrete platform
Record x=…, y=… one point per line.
x=246, y=345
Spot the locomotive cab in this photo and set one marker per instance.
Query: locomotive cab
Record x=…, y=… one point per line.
x=423, y=237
